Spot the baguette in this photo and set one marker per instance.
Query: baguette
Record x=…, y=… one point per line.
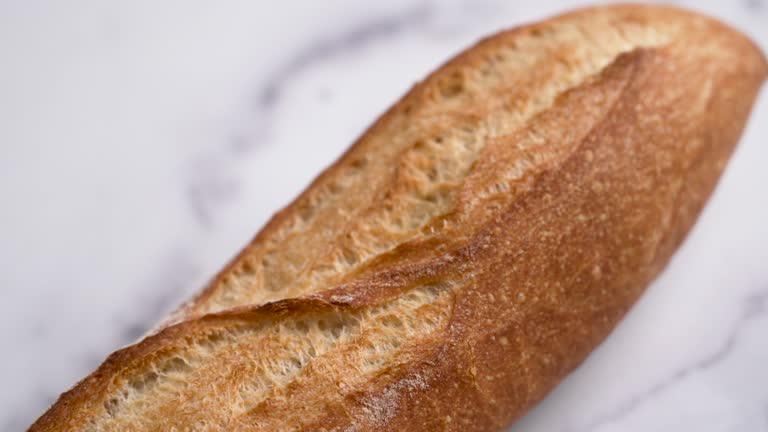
x=467, y=252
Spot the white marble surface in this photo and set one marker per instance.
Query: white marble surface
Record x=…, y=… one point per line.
x=143, y=142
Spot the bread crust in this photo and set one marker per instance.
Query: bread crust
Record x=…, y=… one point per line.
x=553, y=232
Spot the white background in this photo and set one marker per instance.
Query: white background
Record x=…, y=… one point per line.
x=142, y=143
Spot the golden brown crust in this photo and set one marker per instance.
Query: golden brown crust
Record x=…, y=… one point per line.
x=550, y=236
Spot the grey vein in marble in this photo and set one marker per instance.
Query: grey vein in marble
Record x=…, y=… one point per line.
x=210, y=187
x=754, y=5
x=755, y=306
x=327, y=48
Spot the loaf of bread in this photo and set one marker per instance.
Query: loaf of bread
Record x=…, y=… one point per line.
x=466, y=253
